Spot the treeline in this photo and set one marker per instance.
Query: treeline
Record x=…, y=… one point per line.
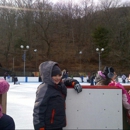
x=60, y=31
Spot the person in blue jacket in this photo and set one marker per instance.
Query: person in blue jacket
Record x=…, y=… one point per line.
x=49, y=108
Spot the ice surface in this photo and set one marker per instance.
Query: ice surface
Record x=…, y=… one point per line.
x=20, y=102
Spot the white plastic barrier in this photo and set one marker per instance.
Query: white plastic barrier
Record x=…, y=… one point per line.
x=120, y=80
x=1, y=77
x=33, y=79
x=94, y=109
x=79, y=79
x=21, y=79
x=7, y=79
x=28, y=79
x=36, y=79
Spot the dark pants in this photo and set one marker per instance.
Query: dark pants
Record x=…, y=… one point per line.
x=123, y=80
x=7, y=123
x=82, y=78
x=92, y=82
x=15, y=80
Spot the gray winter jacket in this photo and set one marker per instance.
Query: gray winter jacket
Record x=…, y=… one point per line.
x=49, y=108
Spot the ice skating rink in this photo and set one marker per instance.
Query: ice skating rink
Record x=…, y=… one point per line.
x=20, y=102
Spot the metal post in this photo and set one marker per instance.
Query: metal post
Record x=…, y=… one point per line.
x=80, y=61
x=35, y=50
x=99, y=60
x=24, y=62
x=36, y=61
x=24, y=57
x=13, y=64
x=80, y=58
x=99, y=51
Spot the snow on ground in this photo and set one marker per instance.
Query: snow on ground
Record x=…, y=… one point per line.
x=20, y=102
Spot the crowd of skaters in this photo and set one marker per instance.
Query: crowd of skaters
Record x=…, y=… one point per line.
x=90, y=78
x=7, y=77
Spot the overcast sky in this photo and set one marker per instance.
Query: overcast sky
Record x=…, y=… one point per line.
x=76, y=1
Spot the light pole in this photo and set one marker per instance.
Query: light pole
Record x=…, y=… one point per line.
x=13, y=64
x=99, y=51
x=12, y=61
x=80, y=58
x=35, y=50
x=24, y=56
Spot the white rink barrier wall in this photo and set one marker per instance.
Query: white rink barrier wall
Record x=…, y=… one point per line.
x=99, y=108
x=24, y=79
x=94, y=109
x=36, y=79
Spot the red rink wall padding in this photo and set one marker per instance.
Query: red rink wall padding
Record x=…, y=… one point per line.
x=127, y=87
x=96, y=87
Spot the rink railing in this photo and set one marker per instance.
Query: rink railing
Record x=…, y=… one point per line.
x=95, y=103
x=36, y=79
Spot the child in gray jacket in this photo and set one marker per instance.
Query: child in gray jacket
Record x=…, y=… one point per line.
x=49, y=109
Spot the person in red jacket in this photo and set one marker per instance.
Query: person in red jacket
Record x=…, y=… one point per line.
x=49, y=109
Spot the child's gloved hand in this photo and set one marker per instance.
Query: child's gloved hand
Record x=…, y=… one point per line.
x=78, y=88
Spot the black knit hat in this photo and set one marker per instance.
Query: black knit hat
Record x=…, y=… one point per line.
x=56, y=70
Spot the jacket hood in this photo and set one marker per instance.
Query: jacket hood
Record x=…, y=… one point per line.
x=45, y=69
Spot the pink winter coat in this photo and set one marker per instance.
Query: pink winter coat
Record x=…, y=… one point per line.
x=125, y=95
x=4, y=87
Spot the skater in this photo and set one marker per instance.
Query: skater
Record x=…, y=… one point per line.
x=15, y=79
x=49, y=108
x=123, y=78
x=64, y=74
x=5, y=74
x=92, y=78
x=82, y=78
x=8, y=78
